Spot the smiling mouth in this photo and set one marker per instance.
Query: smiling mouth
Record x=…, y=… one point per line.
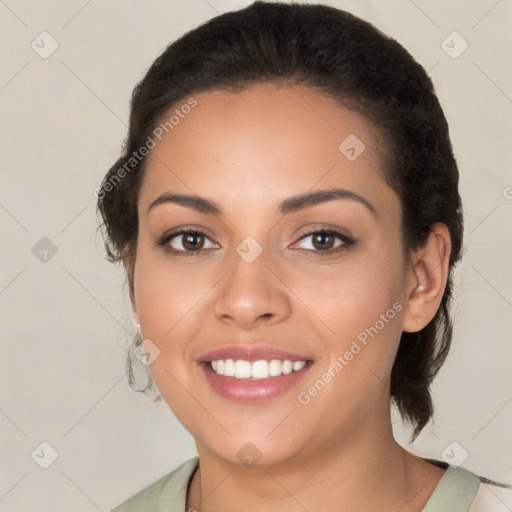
x=256, y=381
x=255, y=370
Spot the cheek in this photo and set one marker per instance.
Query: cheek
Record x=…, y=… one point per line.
x=173, y=302
x=354, y=295
x=164, y=293
x=360, y=306
x=167, y=298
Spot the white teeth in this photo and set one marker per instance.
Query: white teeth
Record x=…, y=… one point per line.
x=229, y=368
x=298, y=365
x=243, y=369
x=275, y=368
x=287, y=367
x=260, y=369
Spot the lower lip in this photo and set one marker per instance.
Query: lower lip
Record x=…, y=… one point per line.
x=243, y=390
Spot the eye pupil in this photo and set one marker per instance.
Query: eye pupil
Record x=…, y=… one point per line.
x=322, y=237
x=190, y=241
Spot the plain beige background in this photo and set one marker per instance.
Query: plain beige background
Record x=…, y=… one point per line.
x=66, y=321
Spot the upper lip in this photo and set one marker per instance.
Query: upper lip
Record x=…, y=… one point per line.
x=251, y=353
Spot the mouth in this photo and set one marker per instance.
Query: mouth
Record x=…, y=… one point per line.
x=253, y=374
x=256, y=370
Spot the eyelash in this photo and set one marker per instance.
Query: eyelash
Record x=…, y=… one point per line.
x=347, y=242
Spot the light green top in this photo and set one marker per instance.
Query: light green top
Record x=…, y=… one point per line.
x=455, y=492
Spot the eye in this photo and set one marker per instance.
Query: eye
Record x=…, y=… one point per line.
x=322, y=242
x=185, y=242
x=190, y=242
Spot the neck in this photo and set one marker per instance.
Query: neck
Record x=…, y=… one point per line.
x=367, y=472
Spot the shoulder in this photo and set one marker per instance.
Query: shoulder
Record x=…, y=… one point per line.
x=460, y=489
x=456, y=491
x=167, y=493
x=492, y=498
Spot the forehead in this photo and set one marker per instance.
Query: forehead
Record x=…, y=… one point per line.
x=264, y=142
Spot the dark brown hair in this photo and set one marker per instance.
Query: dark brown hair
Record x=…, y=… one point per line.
x=345, y=58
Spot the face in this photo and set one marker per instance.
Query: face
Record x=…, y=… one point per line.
x=323, y=280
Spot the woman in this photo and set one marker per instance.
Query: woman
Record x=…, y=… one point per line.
x=287, y=210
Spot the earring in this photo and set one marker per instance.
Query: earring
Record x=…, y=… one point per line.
x=420, y=288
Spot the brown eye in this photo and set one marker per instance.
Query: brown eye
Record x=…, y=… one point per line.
x=324, y=242
x=191, y=241
x=185, y=242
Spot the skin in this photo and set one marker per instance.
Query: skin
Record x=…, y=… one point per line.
x=249, y=151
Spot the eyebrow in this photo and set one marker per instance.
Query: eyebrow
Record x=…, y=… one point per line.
x=289, y=205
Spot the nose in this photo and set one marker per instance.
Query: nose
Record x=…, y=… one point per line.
x=252, y=293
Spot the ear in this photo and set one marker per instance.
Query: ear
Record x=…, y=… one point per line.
x=427, y=278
